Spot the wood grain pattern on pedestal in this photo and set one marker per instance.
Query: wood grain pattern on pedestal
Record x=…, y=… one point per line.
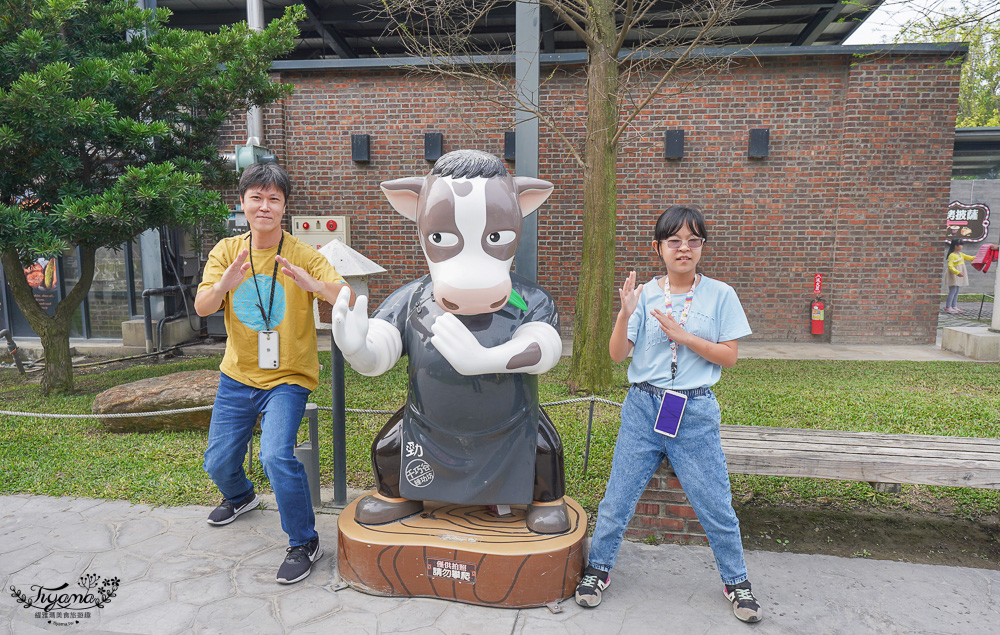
x=463, y=553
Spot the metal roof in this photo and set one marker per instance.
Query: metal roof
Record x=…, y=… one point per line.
x=977, y=151
x=348, y=29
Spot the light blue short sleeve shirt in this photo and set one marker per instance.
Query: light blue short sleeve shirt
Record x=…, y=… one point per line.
x=716, y=315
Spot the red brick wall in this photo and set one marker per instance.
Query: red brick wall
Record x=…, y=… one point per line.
x=854, y=187
x=664, y=512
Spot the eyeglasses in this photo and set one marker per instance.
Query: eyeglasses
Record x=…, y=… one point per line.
x=677, y=243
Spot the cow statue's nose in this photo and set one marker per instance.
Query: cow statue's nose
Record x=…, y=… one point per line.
x=471, y=301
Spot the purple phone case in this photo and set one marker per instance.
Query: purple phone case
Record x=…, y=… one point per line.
x=668, y=419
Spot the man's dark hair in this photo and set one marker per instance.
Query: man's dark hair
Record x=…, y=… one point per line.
x=263, y=176
x=676, y=217
x=469, y=164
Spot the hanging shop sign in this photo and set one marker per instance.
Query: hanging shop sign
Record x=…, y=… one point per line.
x=968, y=222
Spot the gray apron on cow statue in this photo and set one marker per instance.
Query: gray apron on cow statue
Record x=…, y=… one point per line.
x=463, y=441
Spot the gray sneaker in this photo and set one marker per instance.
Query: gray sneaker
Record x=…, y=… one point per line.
x=745, y=605
x=299, y=561
x=227, y=512
x=588, y=592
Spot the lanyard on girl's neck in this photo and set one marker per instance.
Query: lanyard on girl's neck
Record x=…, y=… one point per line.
x=680, y=322
x=274, y=281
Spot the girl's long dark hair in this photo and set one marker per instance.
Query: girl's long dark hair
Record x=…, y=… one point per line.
x=954, y=242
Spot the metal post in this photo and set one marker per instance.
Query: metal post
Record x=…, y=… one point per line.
x=339, y=425
x=255, y=120
x=308, y=454
x=590, y=425
x=526, y=71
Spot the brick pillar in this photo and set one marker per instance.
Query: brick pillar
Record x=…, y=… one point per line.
x=664, y=512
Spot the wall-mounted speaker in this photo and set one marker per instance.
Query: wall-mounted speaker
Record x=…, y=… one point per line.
x=361, y=148
x=759, y=138
x=433, y=145
x=509, y=148
x=673, y=144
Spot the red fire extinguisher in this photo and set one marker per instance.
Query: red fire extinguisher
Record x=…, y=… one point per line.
x=817, y=314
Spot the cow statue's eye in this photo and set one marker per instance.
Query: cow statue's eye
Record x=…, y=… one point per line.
x=501, y=237
x=443, y=239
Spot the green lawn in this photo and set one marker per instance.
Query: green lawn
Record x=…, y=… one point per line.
x=79, y=458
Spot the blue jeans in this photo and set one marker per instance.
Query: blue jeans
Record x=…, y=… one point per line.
x=695, y=455
x=233, y=419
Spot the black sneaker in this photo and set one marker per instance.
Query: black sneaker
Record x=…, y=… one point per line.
x=227, y=512
x=588, y=592
x=299, y=561
x=745, y=605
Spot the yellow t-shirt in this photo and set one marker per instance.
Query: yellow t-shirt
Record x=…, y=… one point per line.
x=291, y=314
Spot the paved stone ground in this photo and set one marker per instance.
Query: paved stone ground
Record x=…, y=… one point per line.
x=973, y=314
x=179, y=575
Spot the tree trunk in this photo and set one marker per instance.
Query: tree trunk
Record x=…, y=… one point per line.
x=52, y=330
x=591, y=364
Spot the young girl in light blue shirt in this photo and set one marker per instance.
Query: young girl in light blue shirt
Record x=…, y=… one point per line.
x=681, y=329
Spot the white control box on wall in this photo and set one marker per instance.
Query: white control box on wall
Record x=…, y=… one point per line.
x=317, y=231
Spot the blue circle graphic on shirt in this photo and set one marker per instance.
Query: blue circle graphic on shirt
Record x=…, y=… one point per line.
x=245, y=302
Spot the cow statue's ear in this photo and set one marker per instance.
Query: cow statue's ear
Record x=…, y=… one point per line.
x=403, y=194
x=531, y=193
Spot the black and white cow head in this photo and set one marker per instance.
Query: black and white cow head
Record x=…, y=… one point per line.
x=468, y=212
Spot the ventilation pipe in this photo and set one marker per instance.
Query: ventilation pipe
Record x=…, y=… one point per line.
x=255, y=122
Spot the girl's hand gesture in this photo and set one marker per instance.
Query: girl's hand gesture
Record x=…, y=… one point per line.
x=629, y=294
x=670, y=326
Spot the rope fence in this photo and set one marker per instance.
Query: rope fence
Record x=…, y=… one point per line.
x=120, y=415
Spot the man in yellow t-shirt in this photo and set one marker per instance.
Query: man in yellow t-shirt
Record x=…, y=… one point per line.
x=270, y=365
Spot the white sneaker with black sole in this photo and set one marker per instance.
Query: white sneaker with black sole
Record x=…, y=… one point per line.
x=227, y=512
x=588, y=592
x=299, y=561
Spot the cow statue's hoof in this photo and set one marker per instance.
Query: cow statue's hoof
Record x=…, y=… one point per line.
x=548, y=518
x=375, y=509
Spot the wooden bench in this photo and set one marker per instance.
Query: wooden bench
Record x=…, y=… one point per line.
x=884, y=460
x=915, y=459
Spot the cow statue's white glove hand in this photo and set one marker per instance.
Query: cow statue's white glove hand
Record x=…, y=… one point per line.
x=370, y=346
x=535, y=348
x=461, y=348
x=350, y=326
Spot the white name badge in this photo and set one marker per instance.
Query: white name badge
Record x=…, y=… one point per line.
x=267, y=349
x=668, y=419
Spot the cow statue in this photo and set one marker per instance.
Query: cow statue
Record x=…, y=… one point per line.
x=472, y=431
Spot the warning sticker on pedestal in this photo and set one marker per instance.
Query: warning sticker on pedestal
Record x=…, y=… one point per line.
x=451, y=570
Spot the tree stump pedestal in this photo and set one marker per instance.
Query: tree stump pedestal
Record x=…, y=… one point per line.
x=464, y=553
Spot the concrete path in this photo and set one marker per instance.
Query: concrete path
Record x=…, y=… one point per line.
x=177, y=574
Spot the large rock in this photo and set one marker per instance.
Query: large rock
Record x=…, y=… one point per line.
x=178, y=390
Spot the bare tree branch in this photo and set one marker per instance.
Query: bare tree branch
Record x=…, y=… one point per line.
x=576, y=21
x=698, y=41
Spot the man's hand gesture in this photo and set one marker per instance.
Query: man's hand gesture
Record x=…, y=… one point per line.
x=234, y=273
x=299, y=276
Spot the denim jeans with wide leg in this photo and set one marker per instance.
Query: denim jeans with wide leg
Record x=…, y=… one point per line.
x=233, y=419
x=696, y=457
